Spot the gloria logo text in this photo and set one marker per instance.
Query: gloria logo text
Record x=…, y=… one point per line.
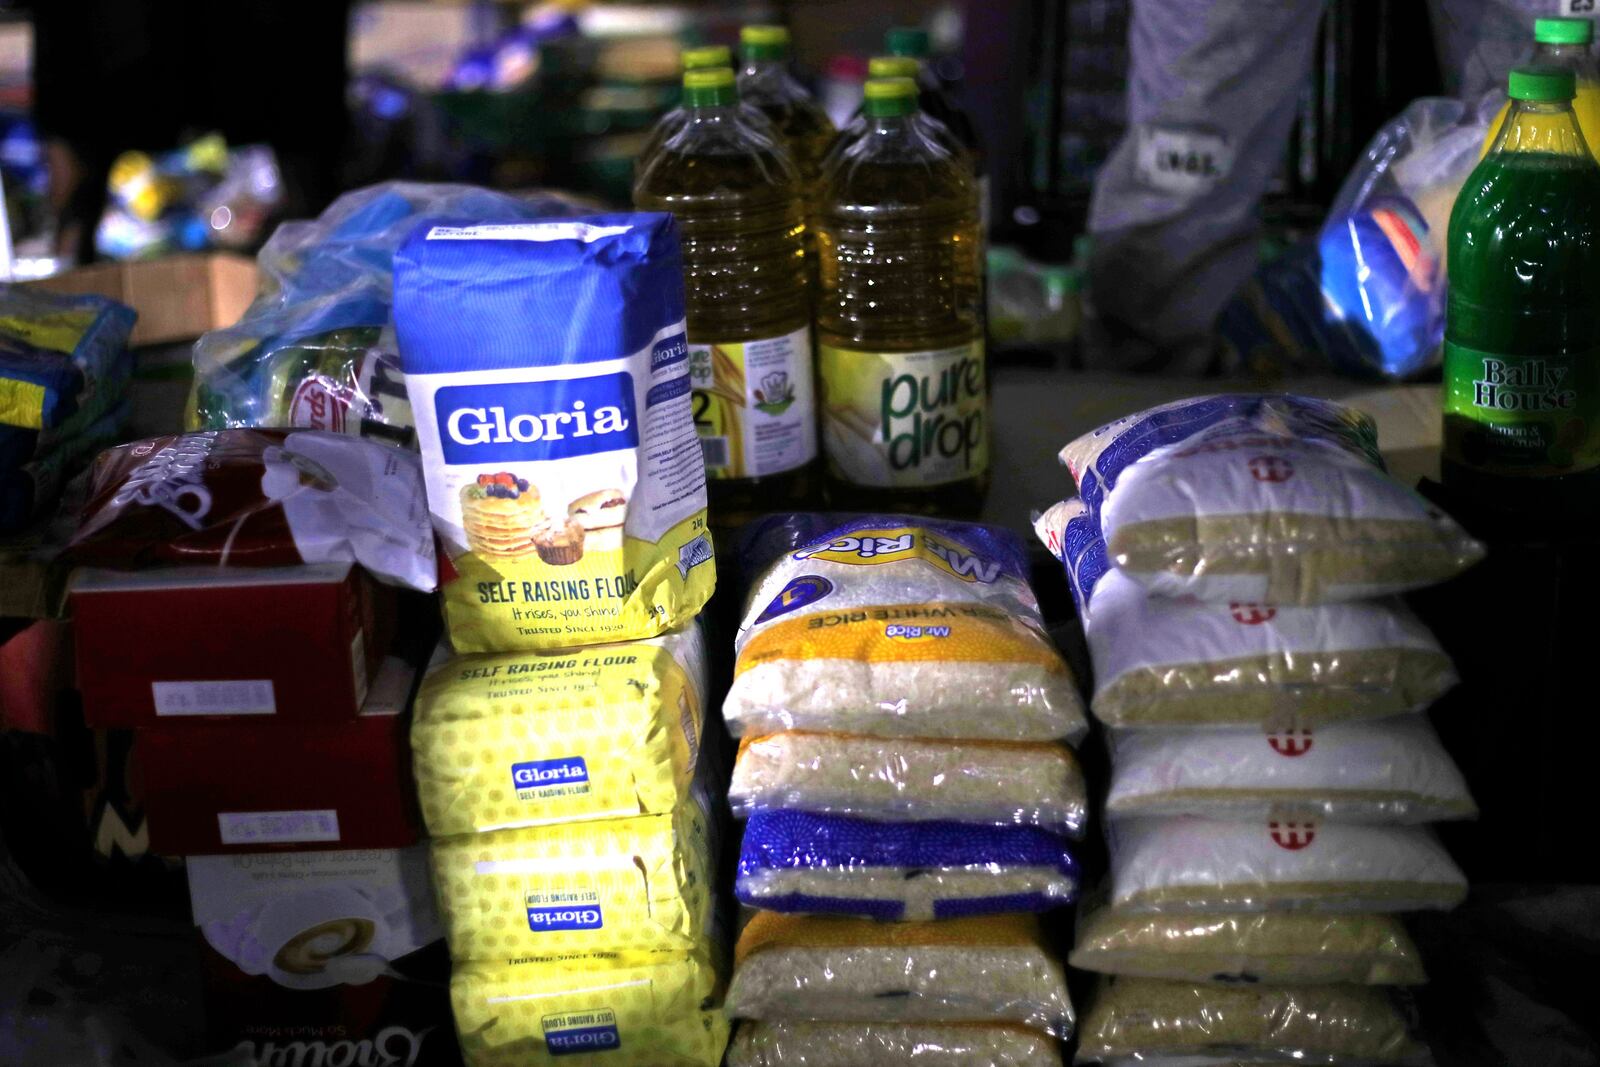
x=569, y=770
x=551, y=920
x=531, y=421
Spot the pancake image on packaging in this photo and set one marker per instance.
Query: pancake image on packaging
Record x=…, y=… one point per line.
x=631, y=1009
x=547, y=370
x=513, y=739
x=997, y=782
x=994, y=969
x=894, y=626
x=1275, y=947
x=1393, y=771
x=806, y=1044
x=1299, y=1023
x=1260, y=499
x=1179, y=661
x=640, y=884
x=1185, y=864
x=799, y=862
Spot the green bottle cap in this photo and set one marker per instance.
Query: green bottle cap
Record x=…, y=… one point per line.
x=907, y=41
x=1563, y=31
x=887, y=97
x=1542, y=84
x=765, y=42
x=711, y=87
x=712, y=55
x=892, y=67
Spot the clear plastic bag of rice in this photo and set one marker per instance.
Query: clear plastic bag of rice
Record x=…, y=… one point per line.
x=893, y=626
x=1260, y=499
x=1273, y=947
x=1391, y=771
x=1180, y=661
x=1323, y=1024
x=994, y=969
x=806, y=863
x=900, y=779
x=804, y=1044
x=1187, y=864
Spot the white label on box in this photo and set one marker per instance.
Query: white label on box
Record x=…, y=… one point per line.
x=251, y=696
x=277, y=827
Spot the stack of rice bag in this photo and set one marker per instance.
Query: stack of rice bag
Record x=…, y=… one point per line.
x=1235, y=561
x=64, y=370
x=909, y=799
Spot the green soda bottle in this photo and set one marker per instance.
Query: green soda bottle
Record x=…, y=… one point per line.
x=1522, y=327
x=741, y=220
x=765, y=81
x=905, y=391
x=708, y=57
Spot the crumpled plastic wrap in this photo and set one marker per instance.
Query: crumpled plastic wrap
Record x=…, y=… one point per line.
x=794, y=861
x=1325, y=1024
x=797, y=1044
x=811, y=968
x=1260, y=499
x=906, y=779
x=1275, y=947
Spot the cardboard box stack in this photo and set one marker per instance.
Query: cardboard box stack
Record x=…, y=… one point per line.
x=1235, y=561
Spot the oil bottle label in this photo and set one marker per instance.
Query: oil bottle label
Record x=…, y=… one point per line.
x=1522, y=415
x=905, y=419
x=754, y=404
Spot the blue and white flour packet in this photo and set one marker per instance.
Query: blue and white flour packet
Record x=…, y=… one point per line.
x=547, y=369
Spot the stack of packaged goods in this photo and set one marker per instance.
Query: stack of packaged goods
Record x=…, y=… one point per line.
x=250, y=653
x=548, y=375
x=908, y=795
x=1236, y=561
x=64, y=370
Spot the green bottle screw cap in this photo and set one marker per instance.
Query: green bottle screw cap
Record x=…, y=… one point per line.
x=892, y=67
x=765, y=42
x=1563, y=31
x=887, y=97
x=711, y=55
x=908, y=41
x=711, y=87
x=1545, y=84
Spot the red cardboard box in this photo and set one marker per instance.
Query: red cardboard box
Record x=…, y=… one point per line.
x=222, y=786
x=298, y=644
x=321, y=959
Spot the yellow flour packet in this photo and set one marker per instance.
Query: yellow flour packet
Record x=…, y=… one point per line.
x=633, y=1009
x=640, y=884
x=513, y=739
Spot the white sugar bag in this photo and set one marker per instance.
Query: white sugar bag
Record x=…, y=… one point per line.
x=1392, y=771
x=1214, y=865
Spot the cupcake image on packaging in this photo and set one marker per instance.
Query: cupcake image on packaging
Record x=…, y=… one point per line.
x=600, y=514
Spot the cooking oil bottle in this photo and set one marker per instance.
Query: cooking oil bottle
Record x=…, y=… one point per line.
x=904, y=383
x=912, y=42
x=765, y=81
x=891, y=67
x=708, y=57
x=737, y=198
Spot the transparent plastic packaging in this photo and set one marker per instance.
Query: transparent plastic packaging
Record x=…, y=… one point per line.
x=1260, y=499
x=794, y=861
x=1392, y=771
x=994, y=969
x=895, y=626
x=1179, y=661
x=797, y=1044
x=906, y=779
x=1185, y=864
x=1325, y=1024
x=1272, y=947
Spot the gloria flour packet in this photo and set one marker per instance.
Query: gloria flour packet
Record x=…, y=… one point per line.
x=895, y=626
x=1262, y=498
x=548, y=374
x=509, y=739
x=628, y=1009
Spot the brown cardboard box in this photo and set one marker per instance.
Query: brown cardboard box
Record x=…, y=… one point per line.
x=178, y=298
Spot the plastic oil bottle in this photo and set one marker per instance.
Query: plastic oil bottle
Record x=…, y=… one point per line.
x=1522, y=325
x=708, y=57
x=1565, y=42
x=765, y=82
x=891, y=67
x=913, y=42
x=904, y=383
x=736, y=195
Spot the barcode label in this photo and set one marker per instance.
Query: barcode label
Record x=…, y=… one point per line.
x=277, y=827
x=716, y=451
x=245, y=697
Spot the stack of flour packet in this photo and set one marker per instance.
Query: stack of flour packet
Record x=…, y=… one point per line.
x=909, y=798
x=556, y=756
x=1235, y=560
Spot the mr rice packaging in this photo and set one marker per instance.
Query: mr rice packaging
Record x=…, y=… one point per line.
x=547, y=369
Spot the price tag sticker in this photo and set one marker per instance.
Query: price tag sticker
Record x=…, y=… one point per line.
x=1186, y=162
